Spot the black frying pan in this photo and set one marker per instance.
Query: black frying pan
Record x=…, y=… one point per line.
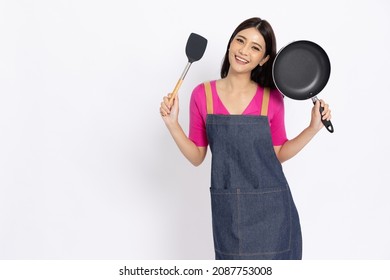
x=301, y=70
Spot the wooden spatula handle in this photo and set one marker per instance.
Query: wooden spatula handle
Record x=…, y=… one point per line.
x=175, y=91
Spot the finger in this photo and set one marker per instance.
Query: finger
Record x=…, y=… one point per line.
x=164, y=110
x=167, y=100
x=326, y=111
x=164, y=107
x=317, y=104
x=321, y=109
x=163, y=113
x=175, y=101
x=328, y=115
x=317, y=107
x=171, y=97
x=167, y=106
x=322, y=104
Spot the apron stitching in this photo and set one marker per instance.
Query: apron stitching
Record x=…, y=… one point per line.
x=238, y=221
x=289, y=207
x=253, y=254
x=265, y=192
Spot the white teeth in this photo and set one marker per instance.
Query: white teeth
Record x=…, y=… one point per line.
x=242, y=60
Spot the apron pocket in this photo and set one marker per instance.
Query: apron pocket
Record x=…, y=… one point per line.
x=224, y=208
x=251, y=222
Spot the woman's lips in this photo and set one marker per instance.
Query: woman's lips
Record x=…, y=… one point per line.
x=241, y=60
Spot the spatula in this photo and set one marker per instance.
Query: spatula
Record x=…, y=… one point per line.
x=195, y=48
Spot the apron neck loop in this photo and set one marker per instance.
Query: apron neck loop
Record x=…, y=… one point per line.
x=265, y=101
x=209, y=98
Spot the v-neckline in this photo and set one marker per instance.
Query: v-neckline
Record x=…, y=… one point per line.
x=226, y=109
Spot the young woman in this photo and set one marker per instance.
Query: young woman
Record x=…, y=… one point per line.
x=241, y=118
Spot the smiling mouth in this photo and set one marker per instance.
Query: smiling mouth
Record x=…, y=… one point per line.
x=240, y=59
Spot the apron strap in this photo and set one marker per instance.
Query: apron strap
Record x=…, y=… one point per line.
x=264, y=105
x=209, y=98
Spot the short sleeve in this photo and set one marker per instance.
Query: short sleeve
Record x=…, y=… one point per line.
x=277, y=126
x=197, y=129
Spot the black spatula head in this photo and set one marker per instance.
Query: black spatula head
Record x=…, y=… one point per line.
x=195, y=48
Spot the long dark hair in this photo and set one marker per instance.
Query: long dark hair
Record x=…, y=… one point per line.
x=261, y=74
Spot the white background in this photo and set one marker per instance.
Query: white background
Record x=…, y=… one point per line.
x=89, y=171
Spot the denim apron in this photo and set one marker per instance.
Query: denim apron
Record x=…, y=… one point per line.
x=253, y=212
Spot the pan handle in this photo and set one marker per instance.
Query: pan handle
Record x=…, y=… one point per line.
x=328, y=124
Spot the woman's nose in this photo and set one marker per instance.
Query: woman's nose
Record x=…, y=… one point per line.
x=243, y=50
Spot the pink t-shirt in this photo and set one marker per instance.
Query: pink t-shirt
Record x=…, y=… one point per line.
x=198, y=113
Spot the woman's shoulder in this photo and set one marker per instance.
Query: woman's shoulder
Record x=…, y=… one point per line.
x=199, y=90
x=276, y=95
x=276, y=100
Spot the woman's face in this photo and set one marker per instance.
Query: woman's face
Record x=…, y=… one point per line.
x=247, y=50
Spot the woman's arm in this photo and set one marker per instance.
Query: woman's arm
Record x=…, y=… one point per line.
x=292, y=147
x=188, y=148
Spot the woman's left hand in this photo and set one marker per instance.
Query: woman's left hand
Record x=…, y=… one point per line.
x=316, y=116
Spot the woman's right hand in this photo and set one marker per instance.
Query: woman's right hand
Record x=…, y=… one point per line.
x=169, y=112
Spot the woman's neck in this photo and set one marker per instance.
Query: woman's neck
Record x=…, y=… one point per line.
x=237, y=83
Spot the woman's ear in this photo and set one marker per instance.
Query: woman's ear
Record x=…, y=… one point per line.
x=264, y=60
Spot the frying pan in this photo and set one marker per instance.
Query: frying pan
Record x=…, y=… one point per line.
x=301, y=70
x=195, y=48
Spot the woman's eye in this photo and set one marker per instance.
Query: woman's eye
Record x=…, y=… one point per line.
x=240, y=40
x=256, y=49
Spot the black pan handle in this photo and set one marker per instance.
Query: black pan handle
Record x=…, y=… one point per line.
x=328, y=124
